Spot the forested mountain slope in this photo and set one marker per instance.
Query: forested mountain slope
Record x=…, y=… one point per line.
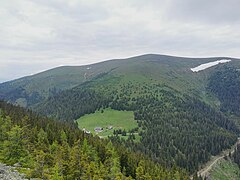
x=48, y=149
x=225, y=84
x=175, y=128
x=181, y=117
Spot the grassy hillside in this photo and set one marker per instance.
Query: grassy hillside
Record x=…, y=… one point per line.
x=225, y=169
x=109, y=120
x=174, y=71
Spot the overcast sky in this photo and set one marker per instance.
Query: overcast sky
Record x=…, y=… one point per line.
x=36, y=35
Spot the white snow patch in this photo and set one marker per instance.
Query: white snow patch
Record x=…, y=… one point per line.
x=208, y=65
x=89, y=68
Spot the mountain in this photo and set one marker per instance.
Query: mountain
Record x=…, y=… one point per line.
x=182, y=117
x=45, y=149
x=174, y=71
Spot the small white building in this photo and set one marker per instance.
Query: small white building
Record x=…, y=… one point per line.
x=86, y=131
x=98, y=129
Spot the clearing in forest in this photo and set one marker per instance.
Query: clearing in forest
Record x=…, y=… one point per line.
x=109, y=120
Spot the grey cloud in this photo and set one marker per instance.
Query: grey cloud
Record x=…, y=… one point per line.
x=81, y=11
x=48, y=33
x=211, y=11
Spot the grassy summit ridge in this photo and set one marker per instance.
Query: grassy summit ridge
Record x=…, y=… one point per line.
x=174, y=71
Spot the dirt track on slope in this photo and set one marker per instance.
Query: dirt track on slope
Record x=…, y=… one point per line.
x=204, y=172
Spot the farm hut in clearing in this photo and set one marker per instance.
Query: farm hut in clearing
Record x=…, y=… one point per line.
x=98, y=129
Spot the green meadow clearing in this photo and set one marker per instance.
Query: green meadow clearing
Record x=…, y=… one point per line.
x=109, y=117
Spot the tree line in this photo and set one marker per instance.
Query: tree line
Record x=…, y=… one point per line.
x=49, y=149
x=225, y=84
x=176, y=129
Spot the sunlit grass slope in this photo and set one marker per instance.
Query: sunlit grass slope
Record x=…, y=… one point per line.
x=108, y=117
x=225, y=170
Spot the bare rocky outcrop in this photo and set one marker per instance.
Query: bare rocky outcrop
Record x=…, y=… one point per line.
x=10, y=173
